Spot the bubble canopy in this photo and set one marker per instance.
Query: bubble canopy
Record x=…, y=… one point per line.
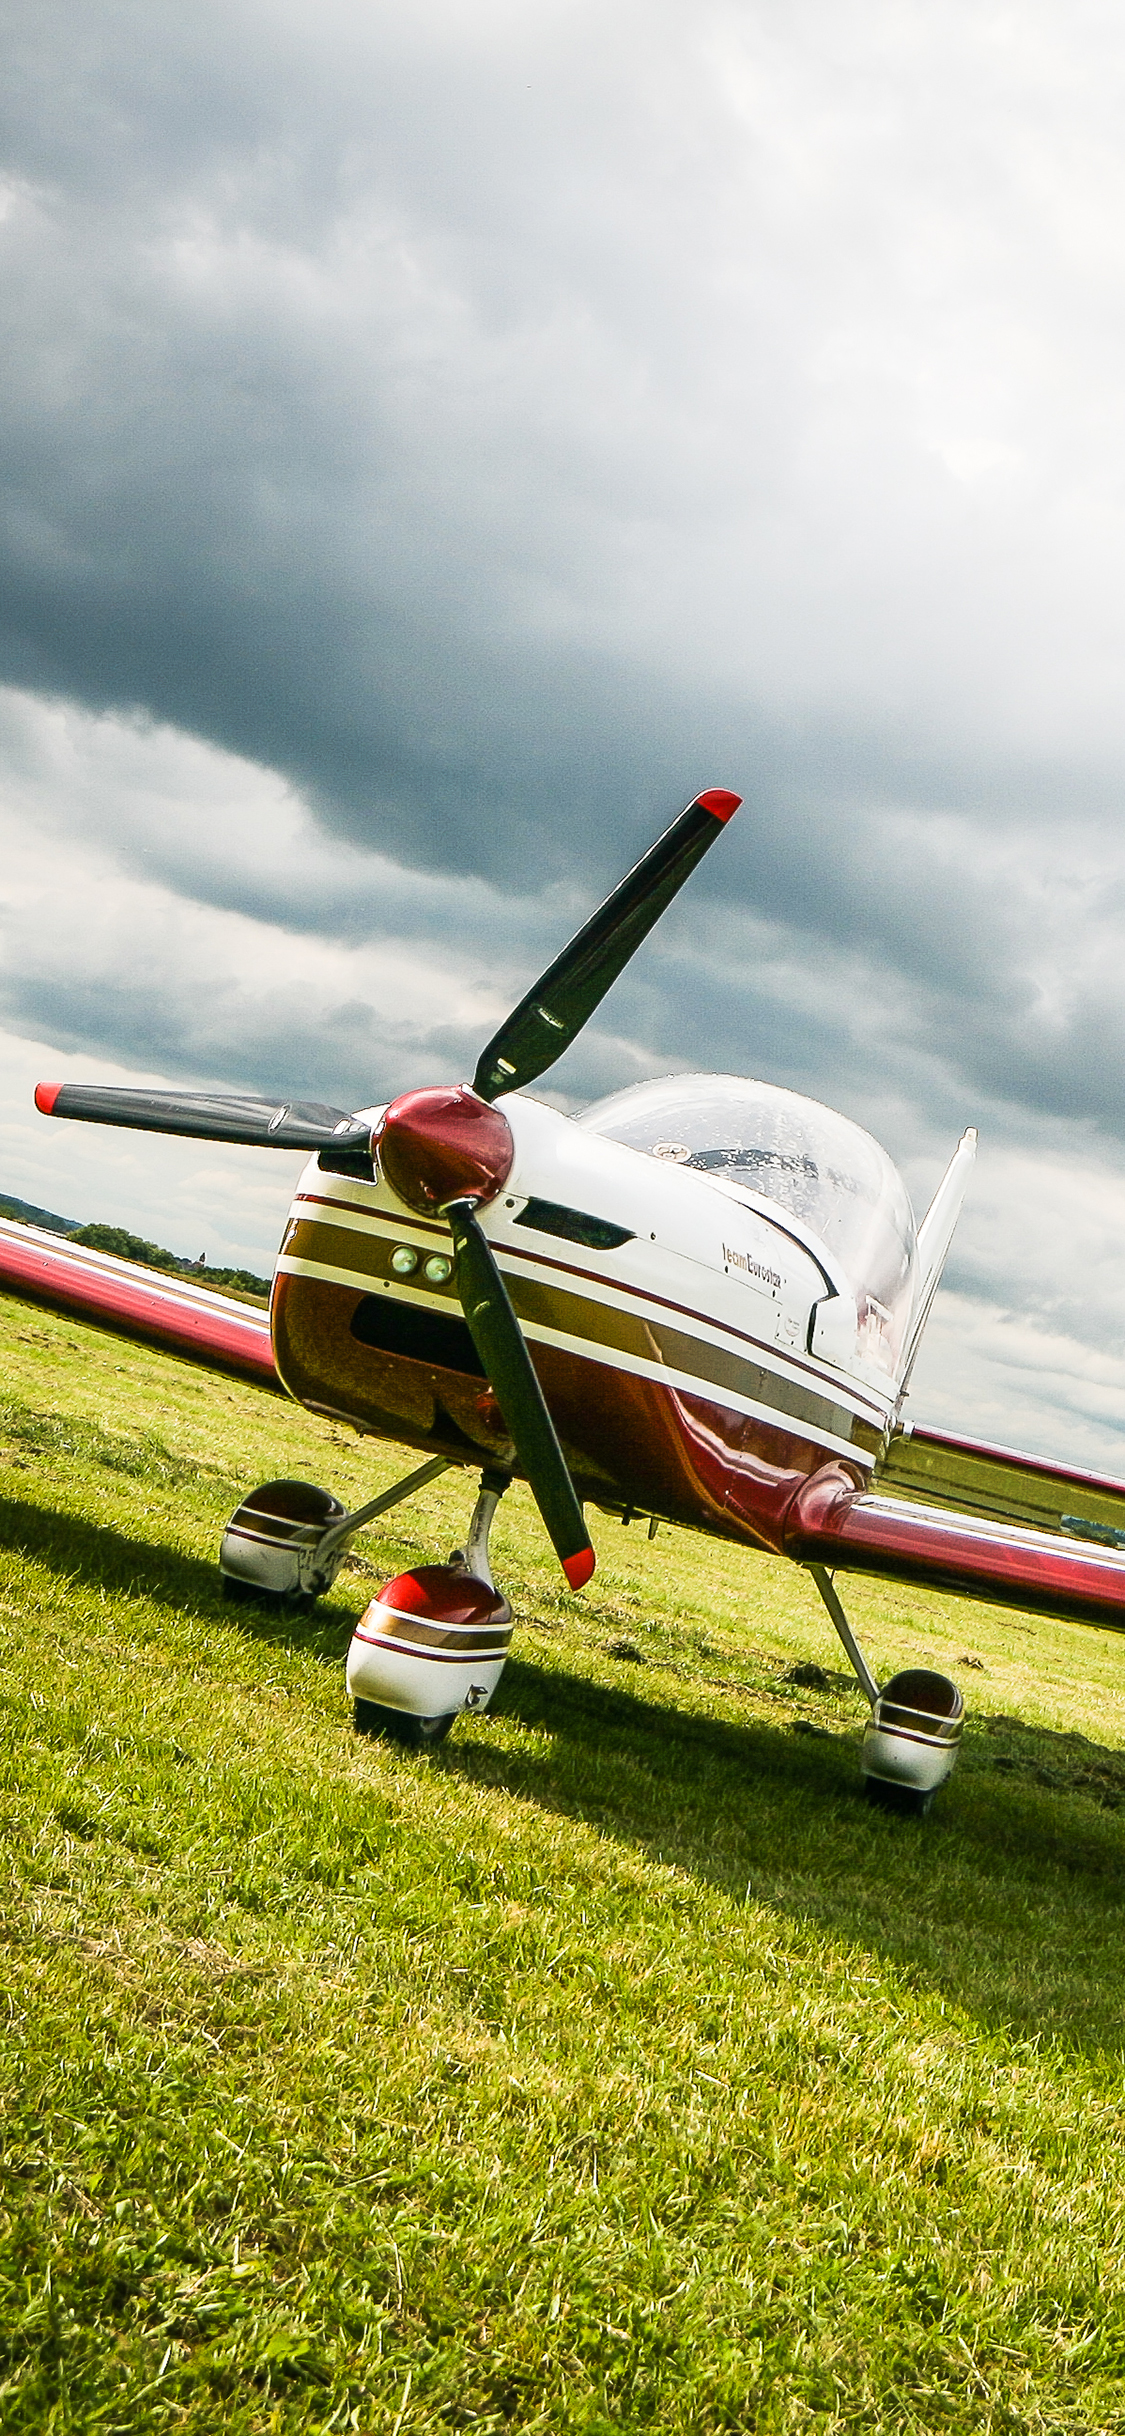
x=814, y=1164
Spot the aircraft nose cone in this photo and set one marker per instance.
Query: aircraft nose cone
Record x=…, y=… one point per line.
x=442, y=1145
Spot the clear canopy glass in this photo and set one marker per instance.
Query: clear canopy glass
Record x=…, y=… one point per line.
x=814, y=1164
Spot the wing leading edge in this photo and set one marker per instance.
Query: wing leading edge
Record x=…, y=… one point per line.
x=977, y=1520
x=172, y=1312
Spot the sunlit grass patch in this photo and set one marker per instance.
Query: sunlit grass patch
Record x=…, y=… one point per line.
x=613, y=2068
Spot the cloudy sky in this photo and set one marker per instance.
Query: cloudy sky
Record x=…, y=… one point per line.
x=436, y=443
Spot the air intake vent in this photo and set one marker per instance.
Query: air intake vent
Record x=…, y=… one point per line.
x=423, y=1336
x=575, y=1226
x=348, y=1163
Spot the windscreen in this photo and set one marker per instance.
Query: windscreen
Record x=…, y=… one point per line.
x=816, y=1165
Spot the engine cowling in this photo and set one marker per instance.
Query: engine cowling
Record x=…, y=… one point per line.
x=432, y=1642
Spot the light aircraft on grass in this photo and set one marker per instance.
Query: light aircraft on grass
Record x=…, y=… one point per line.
x=699, y=1301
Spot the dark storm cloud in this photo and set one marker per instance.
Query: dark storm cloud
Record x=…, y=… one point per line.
x=362, y=1058
x=239, y=286
x=500, y=423
x=285, y=961
x=419, y=406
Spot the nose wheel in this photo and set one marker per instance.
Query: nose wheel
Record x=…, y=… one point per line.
x=396, y=1725
x=433, y=1642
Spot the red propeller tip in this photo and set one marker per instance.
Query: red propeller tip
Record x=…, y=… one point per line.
x=45, y=1096
x=579, y=1568
x=719, y=802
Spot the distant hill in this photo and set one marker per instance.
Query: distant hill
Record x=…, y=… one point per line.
x=29, y=1215
x=126, y=1246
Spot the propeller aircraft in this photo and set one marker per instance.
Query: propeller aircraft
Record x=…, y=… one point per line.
x=698, y=1301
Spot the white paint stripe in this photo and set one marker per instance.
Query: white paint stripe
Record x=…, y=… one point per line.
x=691, y=1384
x=281, y=1534
x=994, y=1531
x=439, y=1657
x=329, y=1212
x=634, y=1302
x=827, y=1385
x=635, y=1366
x=929, y=1742
x=365, y=1282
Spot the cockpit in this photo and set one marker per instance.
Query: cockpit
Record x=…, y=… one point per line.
x=781, y=1148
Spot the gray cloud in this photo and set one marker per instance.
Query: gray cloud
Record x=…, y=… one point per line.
x=436, y=443
x=493, y=427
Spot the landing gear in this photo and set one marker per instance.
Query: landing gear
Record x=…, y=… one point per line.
x=394, y=1725
x=912, y=1737
x=269, y=1541
x=288, y=1540
x=433, y=1642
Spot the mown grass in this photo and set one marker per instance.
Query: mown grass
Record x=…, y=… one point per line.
x=614, y=2068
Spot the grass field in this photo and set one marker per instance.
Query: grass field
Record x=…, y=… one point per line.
x=612, y=2068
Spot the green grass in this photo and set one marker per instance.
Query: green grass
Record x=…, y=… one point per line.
x=613, y=2068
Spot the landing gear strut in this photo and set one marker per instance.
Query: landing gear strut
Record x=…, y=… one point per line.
x=912, y=1737
x=288, y=1540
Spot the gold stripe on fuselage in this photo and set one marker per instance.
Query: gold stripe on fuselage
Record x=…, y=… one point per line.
x=763, y=1384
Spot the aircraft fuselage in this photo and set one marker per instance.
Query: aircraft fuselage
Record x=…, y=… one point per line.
x=701, y=1349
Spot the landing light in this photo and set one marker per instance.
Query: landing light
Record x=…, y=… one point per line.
x=404, y=1260
x=438, y=1268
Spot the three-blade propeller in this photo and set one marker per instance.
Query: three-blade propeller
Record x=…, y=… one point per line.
x=449, y=1150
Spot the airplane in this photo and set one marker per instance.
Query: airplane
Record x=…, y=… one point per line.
x=698, y=1301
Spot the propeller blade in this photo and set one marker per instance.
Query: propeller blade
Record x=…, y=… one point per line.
x=498, y=1338
x=208, y=1117
x=565, y=996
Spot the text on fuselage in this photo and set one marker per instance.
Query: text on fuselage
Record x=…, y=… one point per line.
x=756, y=1269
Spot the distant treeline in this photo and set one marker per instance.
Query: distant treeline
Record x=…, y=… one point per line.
x=125, y=1246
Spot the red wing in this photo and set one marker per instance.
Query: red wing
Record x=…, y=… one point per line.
x=978, y=1520
x=170, y=1311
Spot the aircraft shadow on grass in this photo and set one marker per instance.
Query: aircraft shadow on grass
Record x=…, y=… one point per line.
x=758, y=1803
x=971, y=1908
x=96, y=1554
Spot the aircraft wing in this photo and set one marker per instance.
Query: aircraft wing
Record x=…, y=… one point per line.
x=978, y=1520
x=170, y=1311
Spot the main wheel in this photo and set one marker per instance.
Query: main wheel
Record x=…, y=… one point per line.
x=905, y=1799
x=275, y=1602
x=397, y=1725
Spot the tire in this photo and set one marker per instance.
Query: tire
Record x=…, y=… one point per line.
x=903, y=1799
x=275, y=1602
x=396, y=1725
x=247, y=1594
